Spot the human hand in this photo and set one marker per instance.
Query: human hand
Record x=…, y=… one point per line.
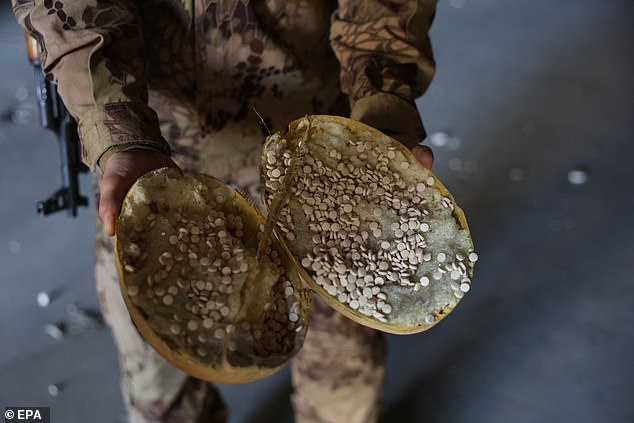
x=120, y=171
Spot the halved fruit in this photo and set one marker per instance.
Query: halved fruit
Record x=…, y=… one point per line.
x=373, y=231
x=195, y=285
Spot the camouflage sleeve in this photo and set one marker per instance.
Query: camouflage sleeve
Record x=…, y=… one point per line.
x=386, y=60
x=93, y=51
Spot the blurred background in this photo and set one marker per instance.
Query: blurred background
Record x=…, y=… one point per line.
x=531, y=117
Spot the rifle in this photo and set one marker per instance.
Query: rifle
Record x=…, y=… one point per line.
x=55, y=116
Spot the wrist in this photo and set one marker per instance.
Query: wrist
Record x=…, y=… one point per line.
x=121, y=148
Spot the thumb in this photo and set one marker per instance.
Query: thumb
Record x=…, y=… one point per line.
x=108, y=224
x=424, y=155
x=110, y=201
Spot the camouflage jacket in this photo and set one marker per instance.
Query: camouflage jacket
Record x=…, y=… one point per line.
x=219, y=58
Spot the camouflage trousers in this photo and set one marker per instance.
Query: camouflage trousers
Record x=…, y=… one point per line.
x=338, y=374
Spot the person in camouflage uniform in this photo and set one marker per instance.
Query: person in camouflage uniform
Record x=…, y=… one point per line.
x=175, y=82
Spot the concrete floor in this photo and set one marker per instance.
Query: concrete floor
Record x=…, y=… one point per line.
x=525, y=94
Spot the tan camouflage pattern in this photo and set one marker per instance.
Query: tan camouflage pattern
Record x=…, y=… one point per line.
x=397, y=55
x=221, y=58
x=338, y=374
x=187, y=77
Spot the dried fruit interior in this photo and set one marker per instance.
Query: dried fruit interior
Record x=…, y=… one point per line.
x=189, y=247
x=375, y=230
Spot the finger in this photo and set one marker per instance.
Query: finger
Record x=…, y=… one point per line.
x=108, y=224
x=424, y=155
x=106, y=213
x=109, y=205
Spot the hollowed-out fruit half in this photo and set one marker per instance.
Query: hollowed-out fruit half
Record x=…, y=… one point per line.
x=190, y=275
x=374, y=232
